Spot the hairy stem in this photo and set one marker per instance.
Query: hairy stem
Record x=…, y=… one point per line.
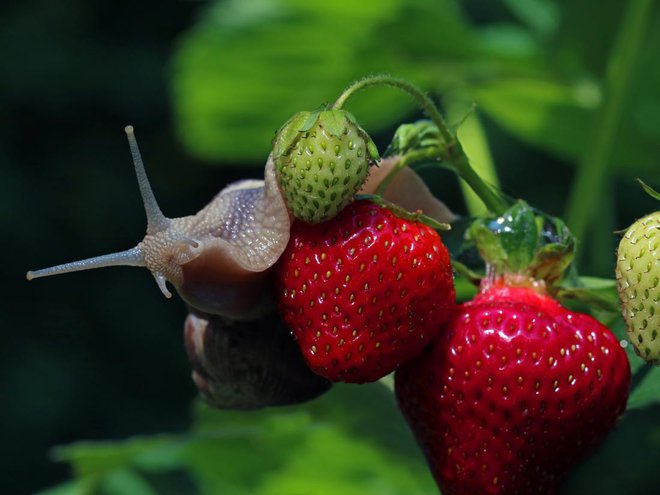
x=420, y=97
x=454, y=154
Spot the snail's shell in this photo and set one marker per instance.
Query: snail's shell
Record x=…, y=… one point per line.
x=248, y=364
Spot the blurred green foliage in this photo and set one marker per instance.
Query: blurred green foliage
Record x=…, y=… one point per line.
x=351, y=441
x=538, y=71
x=100, y=356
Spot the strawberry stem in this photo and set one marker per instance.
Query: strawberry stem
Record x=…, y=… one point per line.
x=452, y=152
x=422, y=99
x=414, y=216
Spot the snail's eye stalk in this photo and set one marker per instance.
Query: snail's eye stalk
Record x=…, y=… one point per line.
x=156, y=221
x=130, y=257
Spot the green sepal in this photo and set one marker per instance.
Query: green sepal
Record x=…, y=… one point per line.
x=310, y=122
x=289, y=133
x=372, y=150
x=526, y=242
x=555, y=251
x=649, y=190
x=333, y=121
x=507, y=243
x=399, y=211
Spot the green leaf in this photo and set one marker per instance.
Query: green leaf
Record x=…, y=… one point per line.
x=76, y=487
x=158, y=452
x=556, y=107
x=125, y=481
x=543, y=112
x=540, y=15
x=599, y=284
x=247, y=66
x=334, y=121
x=288, y=133
x=508, y=242
x=351, y=441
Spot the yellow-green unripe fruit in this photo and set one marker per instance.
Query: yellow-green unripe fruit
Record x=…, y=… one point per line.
x=638, y=283
x=321, y=159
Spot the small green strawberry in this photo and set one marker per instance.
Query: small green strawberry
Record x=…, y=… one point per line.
x=638, y=282
x=322, y=158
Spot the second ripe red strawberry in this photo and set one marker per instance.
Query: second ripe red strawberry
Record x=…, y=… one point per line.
x=516, y=388
x=364, y=292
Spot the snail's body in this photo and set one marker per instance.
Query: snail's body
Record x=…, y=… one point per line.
x=218, y=261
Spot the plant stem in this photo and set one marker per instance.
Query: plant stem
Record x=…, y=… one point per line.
x=473, y=138
x=592, y=173
x=454, y=154
x=422, y=99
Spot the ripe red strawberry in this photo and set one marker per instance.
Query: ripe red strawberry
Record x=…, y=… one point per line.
x=363, y=292
x=515, y=388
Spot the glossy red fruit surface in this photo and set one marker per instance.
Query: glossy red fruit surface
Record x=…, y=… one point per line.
x=363, y=292
x=513, y=392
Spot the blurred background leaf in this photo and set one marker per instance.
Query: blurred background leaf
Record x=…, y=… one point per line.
x=351, y=441
x=235, y=82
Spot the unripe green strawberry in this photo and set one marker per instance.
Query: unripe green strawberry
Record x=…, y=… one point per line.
x=638, y=282
x=322, y=158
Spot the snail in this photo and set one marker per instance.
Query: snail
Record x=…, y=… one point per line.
x=218, y=260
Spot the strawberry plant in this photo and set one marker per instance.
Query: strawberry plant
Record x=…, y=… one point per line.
x=505, y=393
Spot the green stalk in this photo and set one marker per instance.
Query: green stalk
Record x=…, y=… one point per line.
x=454, y=154
x=592, y=173
x=475, y=143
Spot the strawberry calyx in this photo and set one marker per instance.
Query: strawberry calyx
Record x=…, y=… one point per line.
x=399, y=211
x=334, y=121
x=524, y=245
